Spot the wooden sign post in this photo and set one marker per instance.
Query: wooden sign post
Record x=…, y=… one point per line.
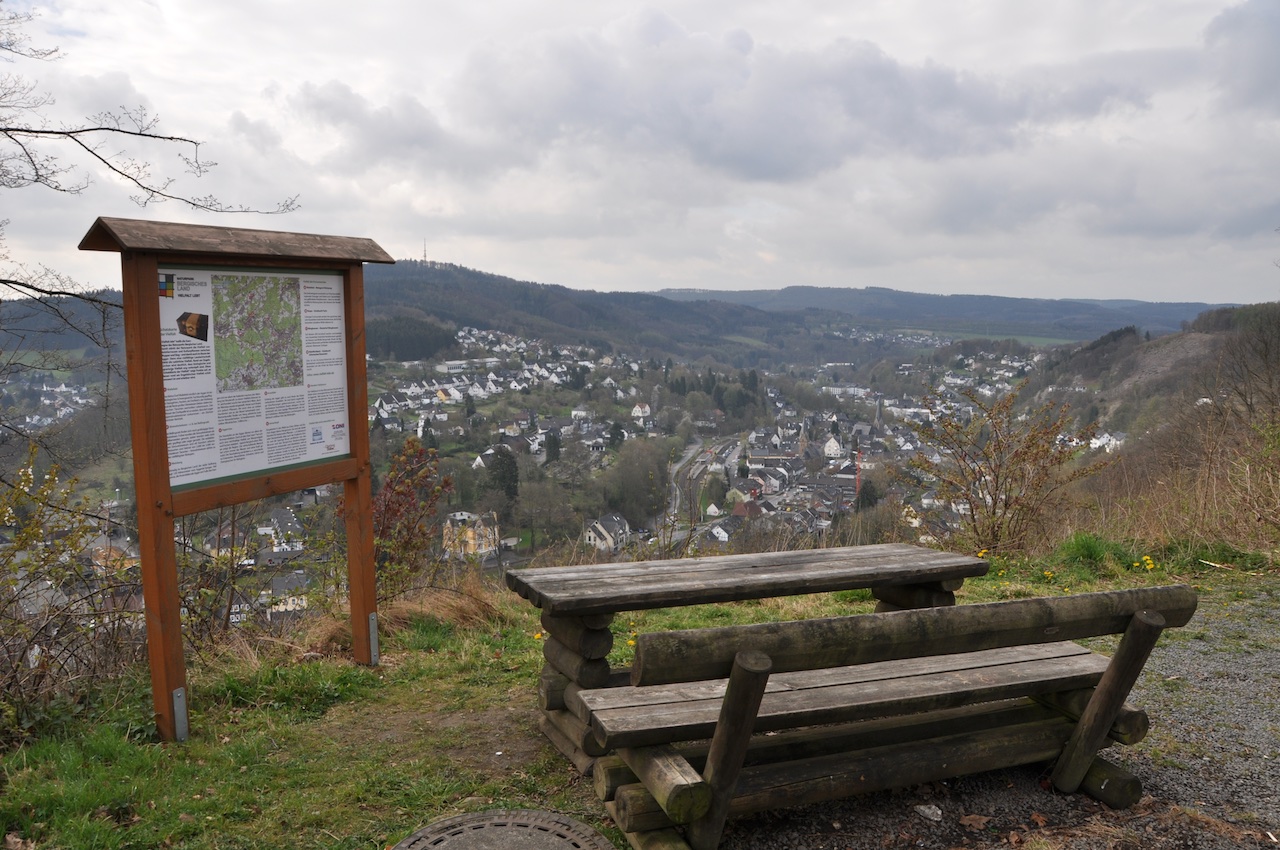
x=246, y=365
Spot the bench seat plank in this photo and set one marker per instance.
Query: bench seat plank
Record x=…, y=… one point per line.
x=607, y=588
x=916, y=685
x=586, y=702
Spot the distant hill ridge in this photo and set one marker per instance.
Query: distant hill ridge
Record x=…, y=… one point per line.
x=1070, y=319
x=642, y=323
x=731, y=326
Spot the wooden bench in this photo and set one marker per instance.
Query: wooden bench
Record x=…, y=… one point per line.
x=578, y=604
x=869, y=702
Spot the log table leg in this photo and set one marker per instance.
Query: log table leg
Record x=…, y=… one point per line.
x=935, y=594
x=575, y=650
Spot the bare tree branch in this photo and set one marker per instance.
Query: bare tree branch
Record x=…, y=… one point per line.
x=13, y=38
x=26, y=139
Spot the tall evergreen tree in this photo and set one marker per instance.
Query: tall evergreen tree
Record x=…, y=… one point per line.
x=504, y=474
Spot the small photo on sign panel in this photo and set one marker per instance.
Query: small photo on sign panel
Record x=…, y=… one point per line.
x=194, y=325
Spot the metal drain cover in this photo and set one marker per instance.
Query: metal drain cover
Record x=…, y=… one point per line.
x=503, y=829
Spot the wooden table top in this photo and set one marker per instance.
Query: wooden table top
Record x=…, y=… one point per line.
x=640, y=585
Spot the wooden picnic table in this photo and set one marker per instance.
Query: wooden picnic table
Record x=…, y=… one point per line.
x=641, y=585
x=578, y=604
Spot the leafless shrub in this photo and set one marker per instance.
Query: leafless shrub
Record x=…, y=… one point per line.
x=1009, y=473
x=64, y=621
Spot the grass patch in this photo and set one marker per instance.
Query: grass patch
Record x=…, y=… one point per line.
x=315, y=753
x=293, y=750
x=1094, y=551
x=296, y=691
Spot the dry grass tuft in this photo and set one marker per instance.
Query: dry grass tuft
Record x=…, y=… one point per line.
x=468, y=606
x=457, y=607
x=238, y=648
x=1146, y=824
x=1186, y=818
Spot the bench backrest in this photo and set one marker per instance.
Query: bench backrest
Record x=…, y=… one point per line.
x=696, y=654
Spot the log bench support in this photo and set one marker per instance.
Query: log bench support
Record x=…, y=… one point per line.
x=575, y=650
x=728, y=750
x=1122, y=673
x=936, y=694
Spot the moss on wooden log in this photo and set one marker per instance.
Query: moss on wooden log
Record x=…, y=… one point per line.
x=579, y=759
x=896, y=766
x=577, y=732
x=657, y=839
x=587, y=672
x=653, y=839
x=551, y=687
x=610, y=774
x=577, y=636
x=637, y=811
x=679, y=790
x=901, y=765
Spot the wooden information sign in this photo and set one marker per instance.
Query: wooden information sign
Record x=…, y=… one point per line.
x=246, y=365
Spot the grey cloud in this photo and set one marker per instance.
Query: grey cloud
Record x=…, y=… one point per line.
x=1243, y=45
x=1251, y=221
x=1142, y=71
x=87, y=95
x=1006, y=194
x=401, y=126
x=755, y=111
x=260, y=134
x=402, y=132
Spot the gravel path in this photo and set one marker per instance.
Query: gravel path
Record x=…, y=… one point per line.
x=1210, y=766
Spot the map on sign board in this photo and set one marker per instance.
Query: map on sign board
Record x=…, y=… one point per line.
x=257, y=332
x=255, y=372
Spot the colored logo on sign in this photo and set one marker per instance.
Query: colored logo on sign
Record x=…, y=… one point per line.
x=166, y=285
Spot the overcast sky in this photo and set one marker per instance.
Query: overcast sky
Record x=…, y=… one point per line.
x=1059, y=148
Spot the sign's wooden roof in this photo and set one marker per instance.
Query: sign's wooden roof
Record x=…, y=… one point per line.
x=166, y=237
